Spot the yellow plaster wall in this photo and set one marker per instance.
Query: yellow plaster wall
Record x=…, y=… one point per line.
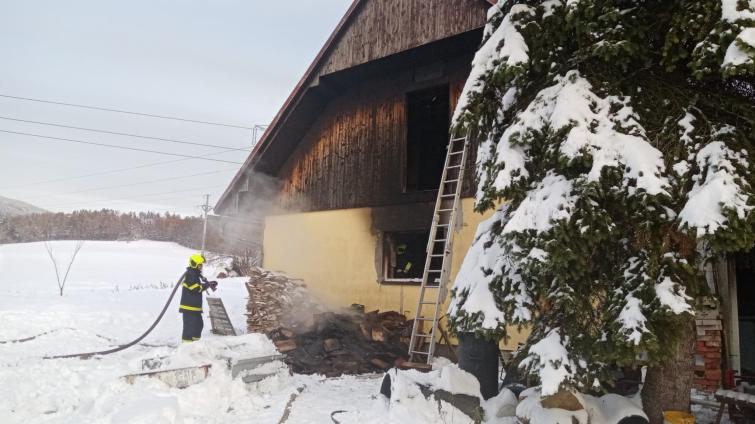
x=334, y=252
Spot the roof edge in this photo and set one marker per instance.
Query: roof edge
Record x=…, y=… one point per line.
x=295, y=93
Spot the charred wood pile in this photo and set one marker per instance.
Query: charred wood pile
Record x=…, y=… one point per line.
x=346, y=343
x=317, y=340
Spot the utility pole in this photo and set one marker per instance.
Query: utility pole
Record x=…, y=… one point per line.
x=205, y=208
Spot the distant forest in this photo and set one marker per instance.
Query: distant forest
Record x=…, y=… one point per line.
x=102, y=225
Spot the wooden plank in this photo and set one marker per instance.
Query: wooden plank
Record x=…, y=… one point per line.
x=251, y=363
x=419, y=366
x=221, y=323
x=179, y=378
x=255, y=378
x=284, y=346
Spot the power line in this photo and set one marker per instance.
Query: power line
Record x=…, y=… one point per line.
x=114, y=171
x=133, y=184
x=113, y=146
x=167, y=140
x=125, y=111
x=132, y=198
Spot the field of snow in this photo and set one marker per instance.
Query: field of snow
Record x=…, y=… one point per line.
x=114, y=292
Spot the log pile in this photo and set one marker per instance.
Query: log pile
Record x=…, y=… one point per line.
x=276, y=300
x=346, y=343
x=319, y=341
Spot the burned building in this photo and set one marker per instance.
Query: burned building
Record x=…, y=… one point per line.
x=346, y=176
x=344, y=180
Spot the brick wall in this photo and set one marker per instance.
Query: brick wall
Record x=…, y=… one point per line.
x=708, y=350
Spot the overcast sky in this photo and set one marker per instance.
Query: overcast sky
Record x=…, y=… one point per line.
x=224, y=61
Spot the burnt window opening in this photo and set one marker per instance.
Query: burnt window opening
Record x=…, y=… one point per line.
x=404, y=255
x=428, y=124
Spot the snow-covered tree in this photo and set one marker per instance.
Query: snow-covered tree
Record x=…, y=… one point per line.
x=616, y=144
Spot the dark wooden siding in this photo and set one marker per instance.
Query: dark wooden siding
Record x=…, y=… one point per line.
x=385, y=27
x=374, y=38
x=354, y=154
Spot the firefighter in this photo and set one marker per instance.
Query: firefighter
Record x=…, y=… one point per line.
x=194, y=284
x=403, y=262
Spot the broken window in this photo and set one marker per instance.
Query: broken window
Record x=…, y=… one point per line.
x=428, y=124
x=404, y=256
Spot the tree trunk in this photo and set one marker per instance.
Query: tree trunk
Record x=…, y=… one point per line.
x=667, y=386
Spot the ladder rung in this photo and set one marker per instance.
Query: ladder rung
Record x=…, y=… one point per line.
x=427, y=303
x=441, y=225
x=420, y=352
x=423, y=319
x=450, y=181
x=445, y=210
x=440, y=240
x=458, y=152
x=447, y=195
x=438, y=255
x=434, y=270
x=458, y=138
x=427, y=336
x=453, y=167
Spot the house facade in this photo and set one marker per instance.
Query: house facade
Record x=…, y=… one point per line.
x=341, y=188
x=345, y=178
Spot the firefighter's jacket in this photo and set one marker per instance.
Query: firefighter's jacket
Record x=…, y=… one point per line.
x=191, y=294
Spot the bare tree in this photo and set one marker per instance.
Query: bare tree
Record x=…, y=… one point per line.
x=62, y=283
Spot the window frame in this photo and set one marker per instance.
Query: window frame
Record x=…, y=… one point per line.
x=405, y=174
x=387, y=259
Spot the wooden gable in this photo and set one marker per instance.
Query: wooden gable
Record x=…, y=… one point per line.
x=380, y=28
x=372, y=31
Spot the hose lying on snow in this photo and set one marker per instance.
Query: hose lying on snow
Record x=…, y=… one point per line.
x=132, y=343
x=28, y=339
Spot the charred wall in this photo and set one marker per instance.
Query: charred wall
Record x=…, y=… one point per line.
x=354, y=154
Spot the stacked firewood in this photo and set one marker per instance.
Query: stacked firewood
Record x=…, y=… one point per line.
x=319, y=341
x=346, y=343
x=276, y=300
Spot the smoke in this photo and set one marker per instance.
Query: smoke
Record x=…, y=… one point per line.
x=239, y=229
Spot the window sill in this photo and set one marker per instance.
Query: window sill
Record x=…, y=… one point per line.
x=401, y=281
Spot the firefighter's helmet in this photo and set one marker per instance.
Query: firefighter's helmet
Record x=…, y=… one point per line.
x=196, y=260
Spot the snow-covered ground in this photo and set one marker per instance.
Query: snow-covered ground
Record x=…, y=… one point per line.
x=114, y=292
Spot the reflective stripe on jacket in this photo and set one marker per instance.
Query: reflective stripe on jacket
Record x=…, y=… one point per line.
x=191, y=293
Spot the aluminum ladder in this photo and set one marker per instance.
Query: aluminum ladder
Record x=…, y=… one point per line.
x=433, y=289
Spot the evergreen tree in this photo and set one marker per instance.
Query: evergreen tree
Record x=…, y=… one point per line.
x=618, y=136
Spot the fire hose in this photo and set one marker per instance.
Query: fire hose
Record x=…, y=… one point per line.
x=129, y=344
